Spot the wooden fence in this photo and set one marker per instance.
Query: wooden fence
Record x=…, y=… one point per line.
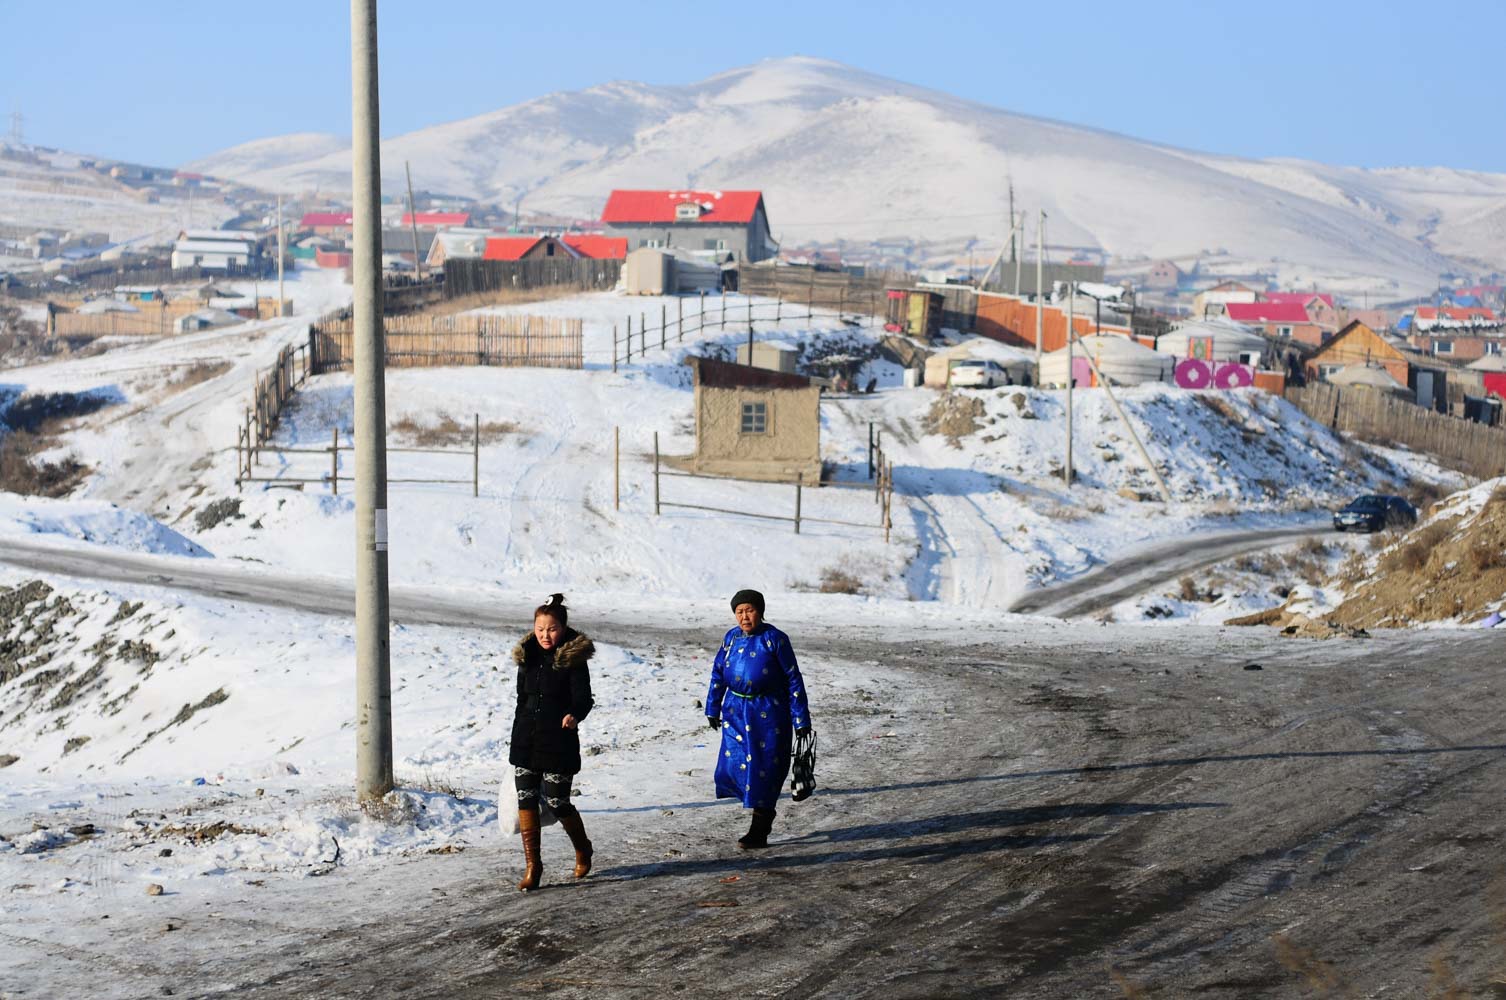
x=248, y=457
x=151, y=319
x=1380, y=418
x=829, y=289
x=880, y=471
x=479, y=277
x=425, y=341
x=270, y=393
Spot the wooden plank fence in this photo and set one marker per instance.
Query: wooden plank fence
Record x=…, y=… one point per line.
x=425, y=341
x=829, y=289
x=151, y=319
x=270, y=393
x=479, y=277
x=1380, y=418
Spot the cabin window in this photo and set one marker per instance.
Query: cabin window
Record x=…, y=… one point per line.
x=1443, y=347
x=687, y=211
x=1326, y=370
x=1492, y=347
x=548, y=249
x=1283, y=331
x=755, y=418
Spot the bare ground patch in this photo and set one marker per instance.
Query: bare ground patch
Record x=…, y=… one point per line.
x=445, y=431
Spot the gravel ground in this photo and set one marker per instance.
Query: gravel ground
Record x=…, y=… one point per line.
x=1129, y=813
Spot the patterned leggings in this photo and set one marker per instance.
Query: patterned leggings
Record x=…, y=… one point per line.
x=555, y=788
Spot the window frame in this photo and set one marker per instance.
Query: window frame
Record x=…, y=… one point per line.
x=753, y=417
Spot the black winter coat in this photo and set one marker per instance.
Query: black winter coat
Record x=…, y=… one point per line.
x=551, y=685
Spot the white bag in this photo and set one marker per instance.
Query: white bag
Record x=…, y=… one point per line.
x=507, y=810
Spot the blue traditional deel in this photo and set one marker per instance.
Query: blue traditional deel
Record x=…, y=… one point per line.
x=757, y=691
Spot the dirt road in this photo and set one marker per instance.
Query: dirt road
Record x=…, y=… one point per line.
x=1140, y=571
x=1135, y=817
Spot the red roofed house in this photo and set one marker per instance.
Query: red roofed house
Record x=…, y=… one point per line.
x=729, y=224
x=1320, y=308
x=1287, y=320
x=596, y=246
x=333, y=225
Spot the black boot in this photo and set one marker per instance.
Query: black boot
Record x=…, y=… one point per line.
x=758, y=831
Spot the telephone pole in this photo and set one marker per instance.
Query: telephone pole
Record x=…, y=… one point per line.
x=1040, y=318
x=418, y=262
x=1071, y=336
x=373, y=650
x=1019, y=227
x=281, y=250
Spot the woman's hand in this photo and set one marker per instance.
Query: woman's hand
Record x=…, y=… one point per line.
x=568, y=722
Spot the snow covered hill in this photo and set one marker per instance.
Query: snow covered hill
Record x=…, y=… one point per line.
x=843, y=153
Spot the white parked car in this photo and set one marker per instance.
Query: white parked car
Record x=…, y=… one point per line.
x=979, y=375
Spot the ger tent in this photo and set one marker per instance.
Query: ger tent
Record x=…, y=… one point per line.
x=1211, y=341
x=1016, y=362
x=1371, y=378
x=1122, y=361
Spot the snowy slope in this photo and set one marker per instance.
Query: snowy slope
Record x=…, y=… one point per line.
x=55, y=193
x=980, y=514
x=842, y=153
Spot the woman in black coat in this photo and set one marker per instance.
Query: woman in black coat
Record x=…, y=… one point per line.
x=554, y=695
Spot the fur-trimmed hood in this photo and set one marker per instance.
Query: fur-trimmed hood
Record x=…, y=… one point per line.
x=575, y=651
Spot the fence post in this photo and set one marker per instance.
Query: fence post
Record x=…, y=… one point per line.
x=656, y=473
x=476, y=460
x=334, y=460
x=629, y=356
x=238, y=439
x=663, y=326
x=870, y=449
x=642, y=334
x=888, y=501
x=799, y=482
x=724, y=309
x=750, y=315
x=700, y=321
x=841, y=301
x=778, y=305
x=616, y=467
x=680, y=316
x=614, y=348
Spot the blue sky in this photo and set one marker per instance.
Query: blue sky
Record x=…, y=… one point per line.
x=1373, y=83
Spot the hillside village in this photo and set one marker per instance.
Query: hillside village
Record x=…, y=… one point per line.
x=1032, y=443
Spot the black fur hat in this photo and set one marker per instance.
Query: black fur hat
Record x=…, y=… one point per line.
x=752, y=597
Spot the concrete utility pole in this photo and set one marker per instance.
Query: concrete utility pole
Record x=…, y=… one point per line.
x=281, y=249
x=1040, y=316
x=1071, y=336
x=1019, y=226
x=373, y=650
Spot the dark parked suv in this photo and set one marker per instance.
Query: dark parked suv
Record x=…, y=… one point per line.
x=1374, y=513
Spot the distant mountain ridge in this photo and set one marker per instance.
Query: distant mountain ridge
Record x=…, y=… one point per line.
x=841, y=153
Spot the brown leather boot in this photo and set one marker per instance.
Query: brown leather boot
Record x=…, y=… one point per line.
x=576, y=828
x=533, y=871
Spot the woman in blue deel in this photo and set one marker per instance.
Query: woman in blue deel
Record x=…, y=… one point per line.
x=757, y=700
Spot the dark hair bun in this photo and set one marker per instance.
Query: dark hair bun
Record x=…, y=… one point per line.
x=554, y=608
